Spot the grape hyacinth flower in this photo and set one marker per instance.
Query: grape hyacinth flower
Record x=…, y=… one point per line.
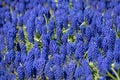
x=58, y=72
x=79, y=52
x=20, y=72
x=116, y=50
x=93, y=51
x=70, y=69
x=28, y=69
x=59, y=39
x=49, y=70
x=79, y=73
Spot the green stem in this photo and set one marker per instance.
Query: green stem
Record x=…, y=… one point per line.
x=45, y=20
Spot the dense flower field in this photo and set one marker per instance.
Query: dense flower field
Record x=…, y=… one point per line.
x=59, y=39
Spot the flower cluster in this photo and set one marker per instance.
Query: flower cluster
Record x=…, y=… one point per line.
x=59, y=39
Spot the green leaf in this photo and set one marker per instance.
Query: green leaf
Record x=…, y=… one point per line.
x=111, y=76
x=118, y=78
x=119, y=72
